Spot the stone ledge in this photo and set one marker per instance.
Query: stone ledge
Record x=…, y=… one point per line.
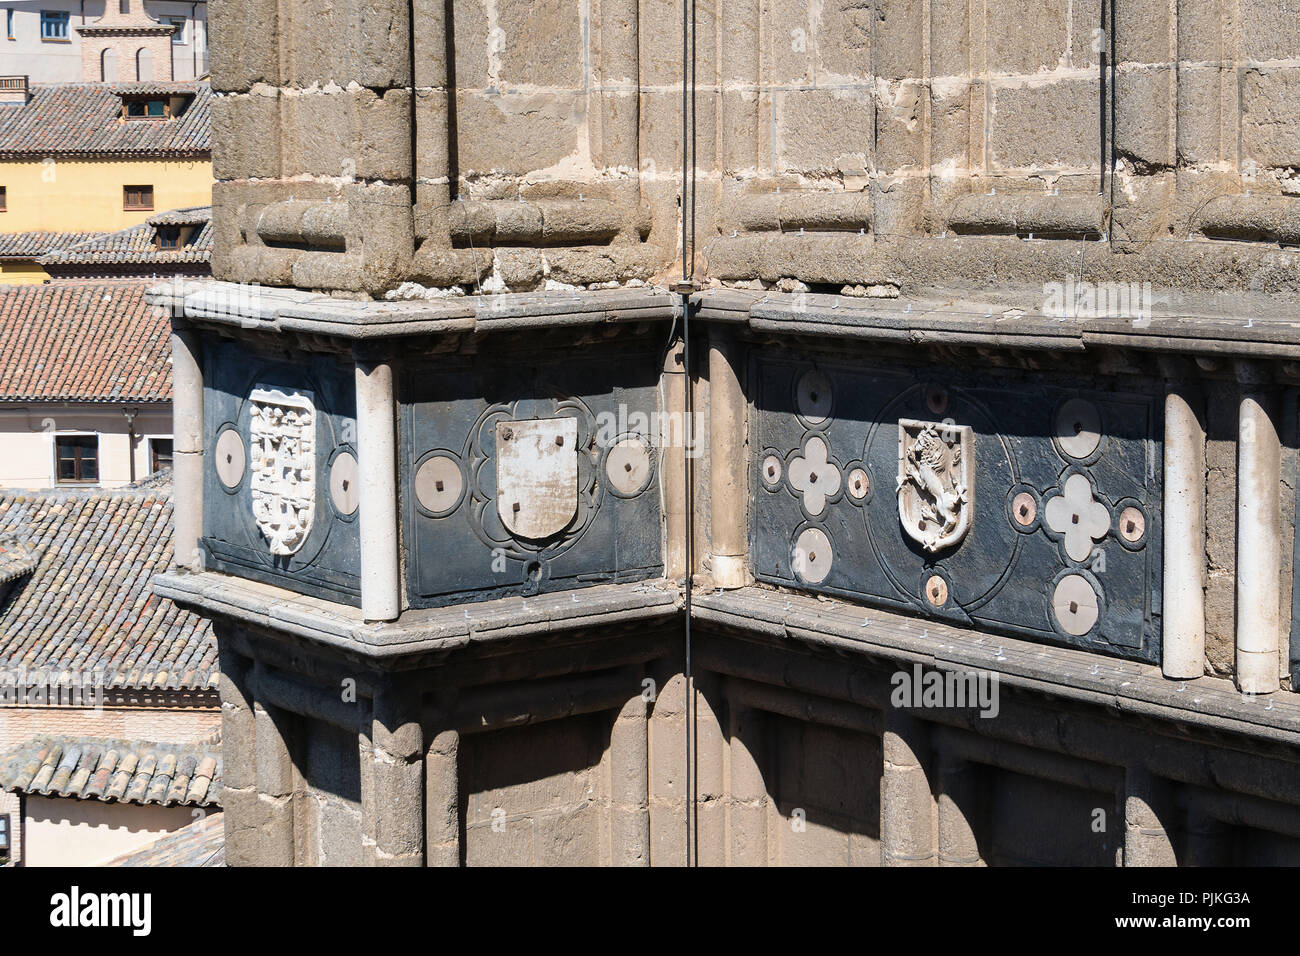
x=269, y=308
x=435, y=630
x=1122, y=686
x=1248, y=325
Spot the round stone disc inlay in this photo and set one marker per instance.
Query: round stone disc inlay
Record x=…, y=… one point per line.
x=343, y=483
x=231, y=458
x=1078, y=427
x=1132, y=524
x=438, y=484
x=812, y=556
x=1024, y=509
x=859, y=483
x=936, y=590
x=813, y=397
x=772, y=470
x=627, y=466
x=1075, y=604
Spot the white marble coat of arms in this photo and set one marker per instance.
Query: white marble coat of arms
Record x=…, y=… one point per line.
x=282, y=432
x=936, y=478
x=537, y=475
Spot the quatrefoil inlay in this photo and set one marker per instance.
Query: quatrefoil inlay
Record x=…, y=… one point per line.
x=1078, y=516
x=814, y=476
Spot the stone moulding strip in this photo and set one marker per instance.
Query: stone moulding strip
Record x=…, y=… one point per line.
x=1020, y=213
x=418, y=632
x=1014, y=322
x=1193, y=326
x=1122, y=686
x=813, y=210
x=273, y=309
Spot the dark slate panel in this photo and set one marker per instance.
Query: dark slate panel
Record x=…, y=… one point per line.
x=451, y=406
x=1000, y=576
x=327, y=565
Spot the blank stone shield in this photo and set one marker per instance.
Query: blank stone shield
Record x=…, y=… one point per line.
x=537, y=475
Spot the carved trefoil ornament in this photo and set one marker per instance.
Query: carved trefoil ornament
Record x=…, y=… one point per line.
x=282, y=446
x=537, y=475
x=936, y=479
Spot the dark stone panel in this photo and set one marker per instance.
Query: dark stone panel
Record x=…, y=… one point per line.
x=327, y=563
x=1001, y=574
x=1029, y=821
x=460, y=549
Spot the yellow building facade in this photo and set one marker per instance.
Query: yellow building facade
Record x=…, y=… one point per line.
x=21, y=273
x=67, y=195
x=93, y=158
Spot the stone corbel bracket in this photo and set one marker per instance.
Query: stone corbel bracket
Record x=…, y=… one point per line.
x=522, y=241
x=352, y=237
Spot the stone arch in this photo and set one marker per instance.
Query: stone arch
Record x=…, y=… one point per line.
x=143, y=64
x=107, y=65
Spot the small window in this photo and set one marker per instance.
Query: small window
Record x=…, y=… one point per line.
x=137, y=197
x=54, y=25
x=4, y=203
x=146, y=109
x=9, y=23
x=179, y=24
x=169, y=237
x=160, y=454
x=76, y=458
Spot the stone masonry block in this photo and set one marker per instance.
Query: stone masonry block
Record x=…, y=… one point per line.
x=537, y=43
x=1025, y=36
x=1270, y=29
x=815, y=127
x=429, y=41
x=246, y=135
x=1270, y=129
x=899, y=58
x=376, y=53
x=241, y=57
x=1046, y=127
x=1144, y=115
x=516, y=133
x=567, y=838
x=843, y=40
x=1142, y=33
x=351, y=133
x=468, y=38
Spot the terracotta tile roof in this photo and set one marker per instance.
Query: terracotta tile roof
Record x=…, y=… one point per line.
x=29, y=245
x=85, y=119
x=201, y=843
x=16, y=557
x=138, y=245
x=88, y=606
x=121, y=771
x=89, y=342
x=189, y=216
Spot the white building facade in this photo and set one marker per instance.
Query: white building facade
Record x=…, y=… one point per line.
x=41, y=38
